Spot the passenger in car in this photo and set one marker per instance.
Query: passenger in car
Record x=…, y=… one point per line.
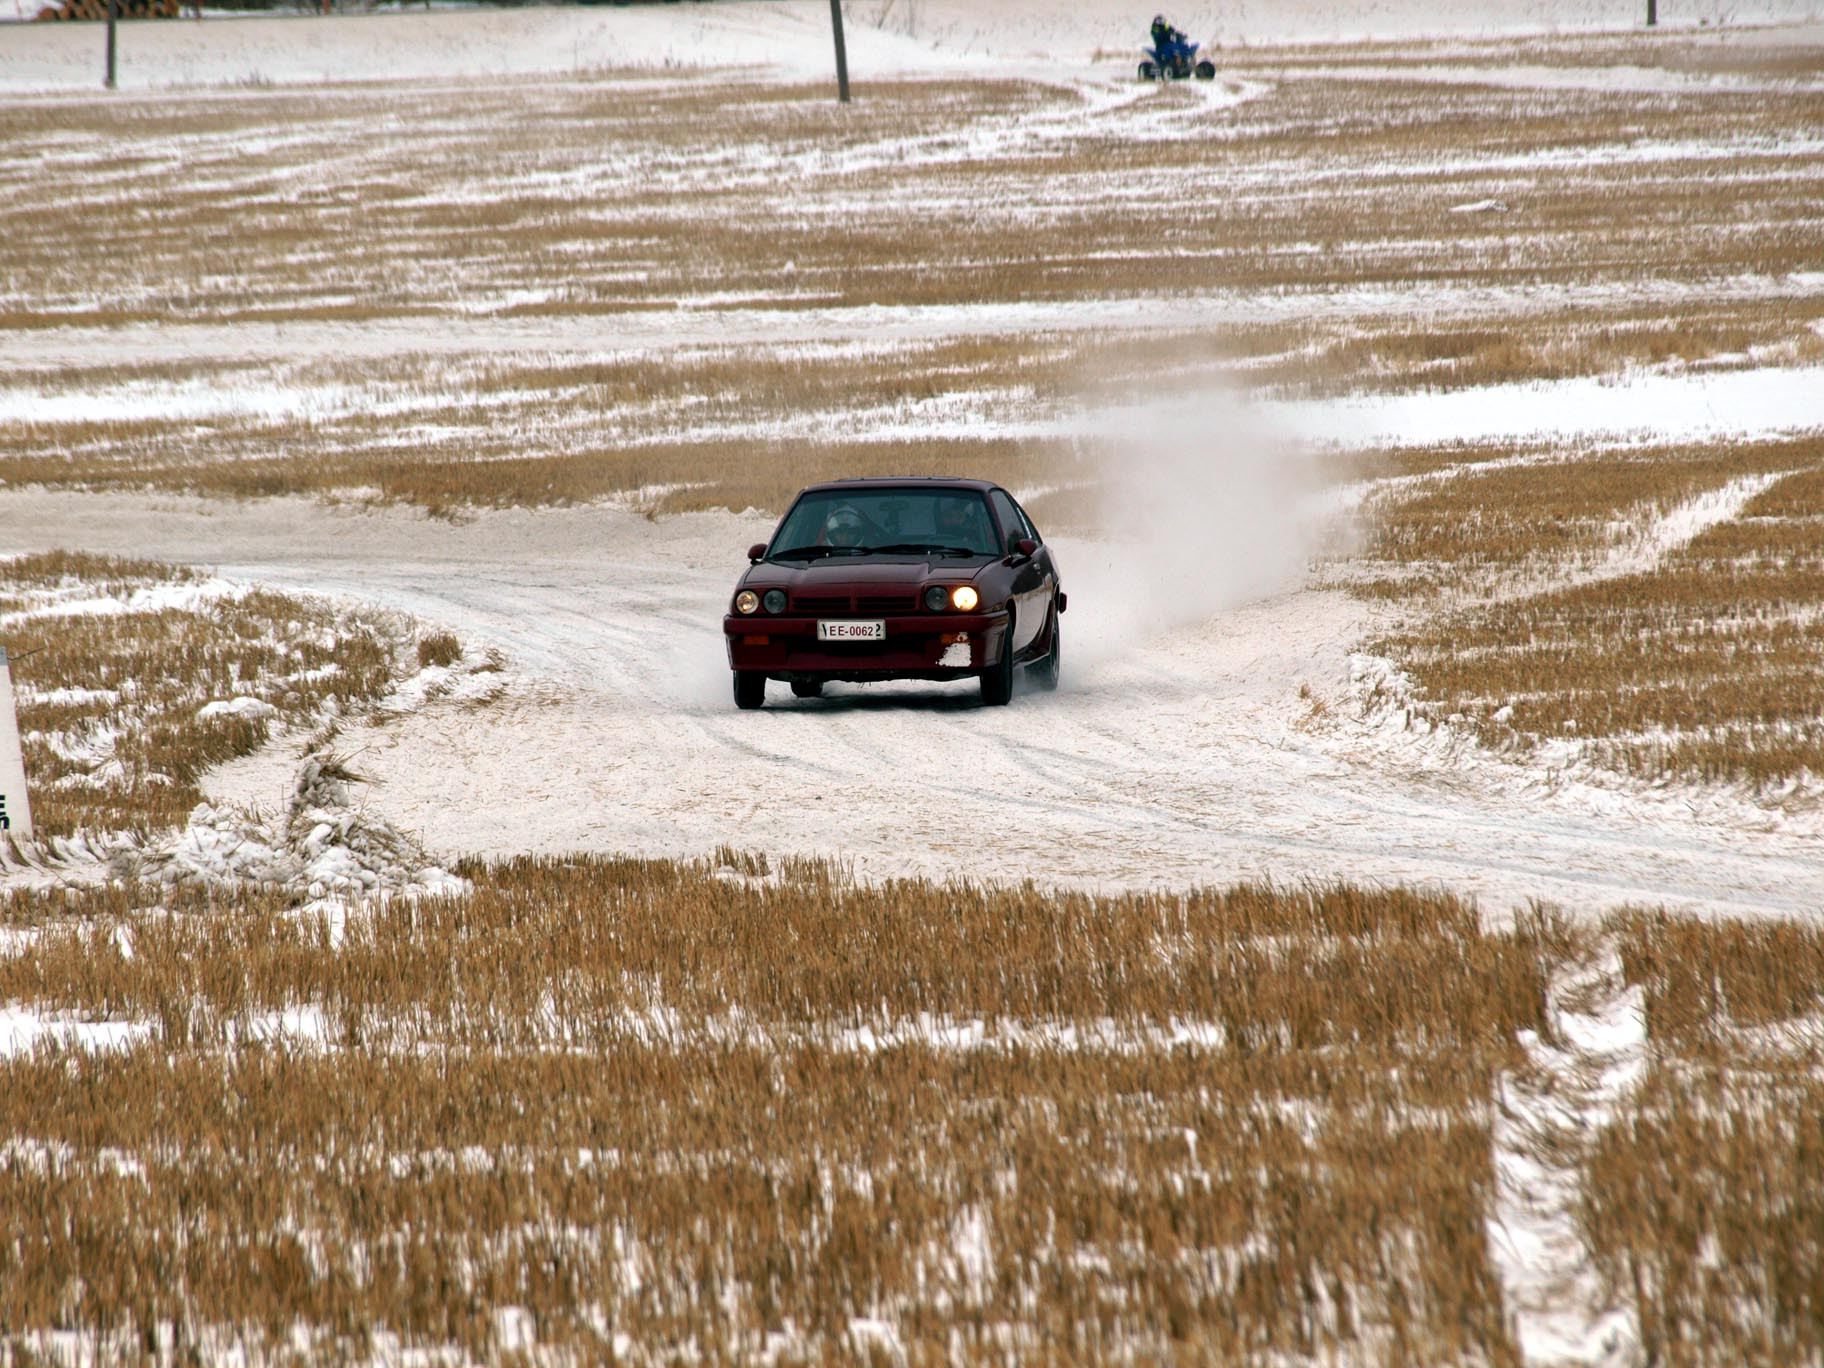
x=963, y=522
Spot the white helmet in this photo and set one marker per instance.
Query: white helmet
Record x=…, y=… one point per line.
x=843, y=527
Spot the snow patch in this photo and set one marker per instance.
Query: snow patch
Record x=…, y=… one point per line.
x=1650, y=544
x=23, y=1030
x=253, y=709
x=1688, y=521
x=791, y=38
x=65, y=698
x=180, y=596
x=1745, y=403
x=1547, y=1115
x=324, y=843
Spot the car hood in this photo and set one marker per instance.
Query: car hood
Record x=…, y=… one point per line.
x=864, y=572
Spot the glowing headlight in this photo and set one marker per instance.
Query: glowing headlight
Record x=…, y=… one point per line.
x=746, y=601
x=774, y=599
x=937, y=598
x=964, y=598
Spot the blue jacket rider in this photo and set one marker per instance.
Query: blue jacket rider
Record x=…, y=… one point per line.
x=1165, y=37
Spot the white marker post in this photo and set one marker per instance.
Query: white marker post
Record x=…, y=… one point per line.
x=15, y=812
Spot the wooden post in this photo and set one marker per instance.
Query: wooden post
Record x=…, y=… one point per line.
x=1652, y=12
x=113, y=16
x=842, y=53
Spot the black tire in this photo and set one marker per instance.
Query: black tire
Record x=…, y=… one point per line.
x=1206, y=71
x=997, y=680
x=1148, y=72
x=1045, y=673
x=750, y=689
x=807, y=688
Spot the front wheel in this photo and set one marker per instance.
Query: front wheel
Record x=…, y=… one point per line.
x=997, y=680
x=1148, y=72
x=1045, y=673
x=750, y=689
x=1206, y=71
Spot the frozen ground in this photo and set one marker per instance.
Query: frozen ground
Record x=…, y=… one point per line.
x=1237, y=741
x=1177, y=757
x=1231, y=730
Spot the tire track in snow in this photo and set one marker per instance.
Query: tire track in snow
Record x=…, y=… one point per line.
x=1547, y=1114
x=1661, y=537
x=1185, y=757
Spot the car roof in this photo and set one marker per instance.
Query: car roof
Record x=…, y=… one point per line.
x=905, y=481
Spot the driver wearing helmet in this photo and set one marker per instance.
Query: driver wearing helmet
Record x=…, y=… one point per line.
x=1165, y=37
x=960, y=522
x=843, y=527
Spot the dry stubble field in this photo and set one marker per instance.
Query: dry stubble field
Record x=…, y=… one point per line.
x=723, y=1109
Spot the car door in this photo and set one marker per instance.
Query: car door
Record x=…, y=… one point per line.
x=1047, y=567
x=1032, y=577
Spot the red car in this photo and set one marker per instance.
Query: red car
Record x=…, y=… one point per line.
x=906, y=578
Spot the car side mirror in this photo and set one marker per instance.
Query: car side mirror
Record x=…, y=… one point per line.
x=1026, y=546
x=756, y=552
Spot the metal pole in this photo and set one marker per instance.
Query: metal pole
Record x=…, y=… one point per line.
x=842, y=54
x=1652, y=12
x=113, y=15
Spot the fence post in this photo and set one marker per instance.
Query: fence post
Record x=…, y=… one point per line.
x=113, y=15
x=842, y=54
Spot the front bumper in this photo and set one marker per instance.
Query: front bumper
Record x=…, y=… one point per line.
x=922, y=646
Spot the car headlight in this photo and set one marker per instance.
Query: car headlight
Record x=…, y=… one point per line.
x=746, y=601
x=937, y=598
x=964, y=598
x=774, y=600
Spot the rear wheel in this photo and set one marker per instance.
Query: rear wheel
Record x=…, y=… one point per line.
x=750, y=689
x=997, y=680
x=807, y=688
x=1045, y=673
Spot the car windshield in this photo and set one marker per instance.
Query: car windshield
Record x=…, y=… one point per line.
x=847, y=522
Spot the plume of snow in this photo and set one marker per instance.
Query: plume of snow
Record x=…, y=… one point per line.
x=1204, y=506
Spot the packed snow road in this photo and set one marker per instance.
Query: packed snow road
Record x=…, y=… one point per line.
x=1177, y=757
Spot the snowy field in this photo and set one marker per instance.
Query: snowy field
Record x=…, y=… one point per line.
x=789, y=37
x=1169, y=762
x=478, y=308
x=1429, y=418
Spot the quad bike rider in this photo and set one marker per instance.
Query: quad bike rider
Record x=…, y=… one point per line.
x=1173, y=56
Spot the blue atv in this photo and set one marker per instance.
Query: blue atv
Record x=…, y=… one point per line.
x=1173, y=58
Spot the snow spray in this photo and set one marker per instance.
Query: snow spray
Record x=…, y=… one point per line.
x=1204, y=506
x=15, y=812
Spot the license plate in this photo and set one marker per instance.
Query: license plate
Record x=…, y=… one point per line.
x=851, y=631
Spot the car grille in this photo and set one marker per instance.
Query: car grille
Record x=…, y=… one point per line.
x=821, y=603
x=865, y=604
x=885, y=603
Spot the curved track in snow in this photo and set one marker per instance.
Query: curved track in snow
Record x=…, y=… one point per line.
x=1175, y=759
